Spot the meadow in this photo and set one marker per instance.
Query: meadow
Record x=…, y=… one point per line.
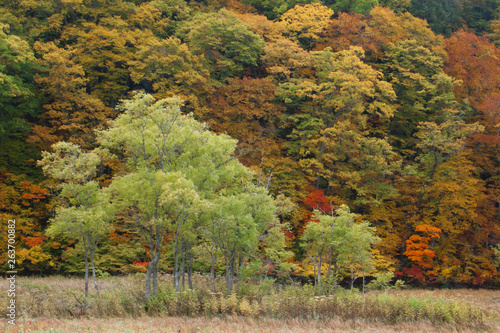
x=57, y=304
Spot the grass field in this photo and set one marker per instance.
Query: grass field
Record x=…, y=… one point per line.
x=56, y=304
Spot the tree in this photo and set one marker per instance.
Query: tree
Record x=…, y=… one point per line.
x=356, y=6
x=273, y=9
x=398, y=6
x=177, y=171
x=422, y=89
x=17, y=100
x=386, y=26
x=156, y=202
x=166, y=67
x=259, y=24
x=236, y=222
x=226, y=42
x=475, y=61
x=70, y=113
x=244, y=110
x=494, y=35
x=443, y=16
x=339, y=242
x=16, y=74
x=85, y=213
x=418, y=250
x=376, y=31
x=331, y=138
x=305, y=23
x=26, y=202
x=479, y=14
x=104, y=51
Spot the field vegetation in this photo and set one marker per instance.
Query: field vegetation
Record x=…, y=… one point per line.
x=57, y=304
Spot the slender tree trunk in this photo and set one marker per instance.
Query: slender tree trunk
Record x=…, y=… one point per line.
x=352, y=278
x=329, y=272
x=156, y=260
x=314, y=269
x=92, y=256
x=176, y=266
x=363, y=281
x=149, y=274
x=86, y=270
x=189, y=271
x=212, y=272
x=319, y=274
x=154, y=278
x=230, y=274
x=240, y=264
x=154, y=271
x=149, y=271
x=183, y=266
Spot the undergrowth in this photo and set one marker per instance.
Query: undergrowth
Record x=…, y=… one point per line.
x=123, y=297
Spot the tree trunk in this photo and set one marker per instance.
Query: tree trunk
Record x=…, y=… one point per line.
x=230, y=274
x=86, y=270
x=316, y=282
x=363, y=281
x=183, y=265
x=154, y=271
x=319, y=274
x=189, y=271
x=92, y=256
x=156, y=260
x=149, y=273
x=212, y=272
x=176, y=266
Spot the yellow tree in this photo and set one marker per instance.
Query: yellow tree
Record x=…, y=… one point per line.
x=103, y=50
x=166, y=67
x=70, y=113
x=331, y=139
x=305, y=23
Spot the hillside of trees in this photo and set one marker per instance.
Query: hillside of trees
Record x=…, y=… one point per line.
x=327, y=139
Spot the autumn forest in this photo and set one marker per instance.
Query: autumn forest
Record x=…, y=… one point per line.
x=310, y=140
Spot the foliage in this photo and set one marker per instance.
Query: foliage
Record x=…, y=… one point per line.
x=305, y=23
x=359, y=103
x=225, y=41
x=340, y=243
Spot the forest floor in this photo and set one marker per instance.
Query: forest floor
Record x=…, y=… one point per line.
x=39, y=314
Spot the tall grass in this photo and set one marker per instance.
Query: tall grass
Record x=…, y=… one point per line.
x=122, y=297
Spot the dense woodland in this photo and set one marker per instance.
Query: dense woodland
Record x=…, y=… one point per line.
x=379, y=119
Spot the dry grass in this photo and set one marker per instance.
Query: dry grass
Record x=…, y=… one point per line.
x=227, y=324
x=52, y=305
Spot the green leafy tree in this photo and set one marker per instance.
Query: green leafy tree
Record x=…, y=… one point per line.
x=235, y=225
x=356, y=6
x=339, y=242
x=85, y=213
x=226, y=42
x=273, y=9
x=443, y=16
x=423, y=89
x=17, y=99
x=178, y=171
